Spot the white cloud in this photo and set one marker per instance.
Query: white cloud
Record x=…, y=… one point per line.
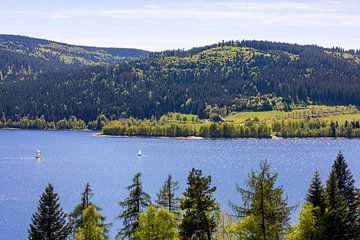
x=289, y=13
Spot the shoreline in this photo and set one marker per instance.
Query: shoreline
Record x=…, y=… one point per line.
x=98, y=133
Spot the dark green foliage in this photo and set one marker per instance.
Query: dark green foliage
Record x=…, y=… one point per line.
x=166, y=197
x=229, y=76
x=199, y=207
x=341, y=202
x=263, y=200
x=315, y=194
x=49, y=221
x=133, y=206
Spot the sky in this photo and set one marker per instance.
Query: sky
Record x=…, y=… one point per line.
x=160, y=25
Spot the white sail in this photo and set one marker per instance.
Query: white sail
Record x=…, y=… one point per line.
x=38, y=154
x=139, y=153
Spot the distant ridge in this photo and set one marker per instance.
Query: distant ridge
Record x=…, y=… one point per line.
x=65, y=80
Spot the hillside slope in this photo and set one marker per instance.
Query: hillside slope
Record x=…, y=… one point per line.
x=234, y=76
x=25, y=57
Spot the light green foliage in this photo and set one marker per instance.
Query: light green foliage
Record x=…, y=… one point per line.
x=224, y=227
x=92, y=228
x=157, y=224
x=247, y=228
x=309, y=227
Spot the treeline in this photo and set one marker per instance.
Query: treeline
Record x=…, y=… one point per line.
x=40, y=123
x=315, y=128
x=251, y=129
x=247, y=75
x=330, y=212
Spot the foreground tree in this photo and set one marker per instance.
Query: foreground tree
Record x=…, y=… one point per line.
x=49, y=222
x=92, y=227
x=76, y=216
x=310, y=226
x=166, y=197
x=315, y=194
x=157, y=224
x=133, y=206
x=346, y=188
x=263, y=201
x=199, y=207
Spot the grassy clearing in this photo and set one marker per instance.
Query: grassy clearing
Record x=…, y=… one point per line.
x=337, y=113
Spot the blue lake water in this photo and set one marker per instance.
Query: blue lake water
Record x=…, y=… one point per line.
x=70, y=159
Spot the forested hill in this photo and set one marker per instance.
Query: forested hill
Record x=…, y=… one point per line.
x=233, y=76
x=25, y=57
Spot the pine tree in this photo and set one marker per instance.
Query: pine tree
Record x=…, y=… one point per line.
x=76, y=216
x=133, y=206
x=346, y=188
x=166, y=197
x=263, y=200
x=315, y=194
x=336, y=214
x=199, y=207
x=316, y=201
x=49, y=222
x=92, y=227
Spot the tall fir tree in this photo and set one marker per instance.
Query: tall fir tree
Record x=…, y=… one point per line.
x=92, y=227
x=315, y=195
x=263, y=200
x=336, y=210
x=346, y=188
x=49, y=221
x=76, y=216
x=315, y=200
x=199, y=207
x=166, y=197
x=133, y=206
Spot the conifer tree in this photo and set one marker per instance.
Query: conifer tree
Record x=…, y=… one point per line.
x=315, y=194
x=336, y=223
x=49, y=222
x=346, y=188
x=133, y=206
x=76, y=216
x=199, y=207
x=263, y=200
x=166, y=197
x=316, y=201
x=92, y=227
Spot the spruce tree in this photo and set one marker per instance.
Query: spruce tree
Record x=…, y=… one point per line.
x=133, y=206
x=263, y=200
x=76, y=216
x=166, y=197
x=336, y=215
x=316, y=201
x=49, y=222
x=346, y=187
x=199, y=207
x=315, y=194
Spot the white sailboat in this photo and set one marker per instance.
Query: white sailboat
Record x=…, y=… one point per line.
x=38, y=154
x=139, y=153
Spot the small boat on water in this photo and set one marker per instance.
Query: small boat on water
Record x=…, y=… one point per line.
x=38, y=154
x=139, y=153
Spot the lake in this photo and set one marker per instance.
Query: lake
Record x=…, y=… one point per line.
x=71, y=158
